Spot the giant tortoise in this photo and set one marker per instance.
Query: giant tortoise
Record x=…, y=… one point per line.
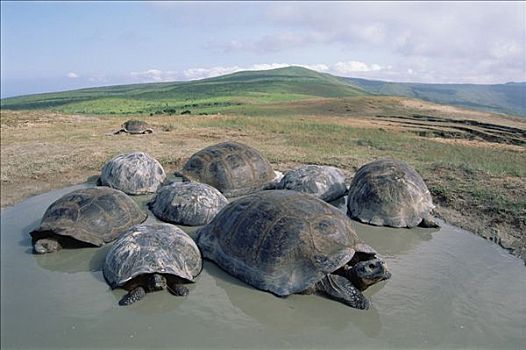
x=388, y=192
x=288, y=242
x=233, y=168
x=86, y=217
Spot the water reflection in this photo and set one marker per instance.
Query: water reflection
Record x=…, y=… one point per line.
x=451, y=289
x=74, y=260
x=295, y=311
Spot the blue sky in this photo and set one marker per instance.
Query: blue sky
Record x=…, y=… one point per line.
x=51, y=46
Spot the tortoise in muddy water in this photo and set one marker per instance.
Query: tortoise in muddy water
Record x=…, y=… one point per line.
x=288, y=242
x=86, y=217
x=187, y=203
x=152, y=257
x=133, y=173
x=233, y=168
x=134, y=127
x=389, y=192
x=325, y=182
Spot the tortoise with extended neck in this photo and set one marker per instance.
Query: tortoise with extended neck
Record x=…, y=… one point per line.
x=288, y=242
x=135, y=127
x=388, y=192
x=152, y=257
x=86, y=217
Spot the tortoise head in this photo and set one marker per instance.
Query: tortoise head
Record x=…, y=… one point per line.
x=156, y=282
x=366, y=267
x=366, y=273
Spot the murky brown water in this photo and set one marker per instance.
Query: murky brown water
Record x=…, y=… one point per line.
x=450, y=289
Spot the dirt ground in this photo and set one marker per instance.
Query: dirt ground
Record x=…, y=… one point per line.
x=42, y=151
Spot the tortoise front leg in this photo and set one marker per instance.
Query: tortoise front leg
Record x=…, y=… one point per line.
x=133, y=296
x=339, y=288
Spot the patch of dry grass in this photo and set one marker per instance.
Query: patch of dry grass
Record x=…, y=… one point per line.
x=42, y=150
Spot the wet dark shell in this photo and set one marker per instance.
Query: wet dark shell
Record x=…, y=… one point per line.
x=133, y=173
x=389, y=192
x=187, y=203
x=279, y=241
x=154, y=248
x=233, y=168
x=93, y=215
x=324, y=182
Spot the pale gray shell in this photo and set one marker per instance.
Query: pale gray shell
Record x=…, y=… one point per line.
x=152, y=248
x=324, y=182
x=233, y=168
x=93, y=215
x=133, y=173
x=279, y=241
x=187, y=203
x=389, y=192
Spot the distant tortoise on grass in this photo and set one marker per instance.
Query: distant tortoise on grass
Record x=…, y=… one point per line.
x=135, y=127
x=87, y=217
x=133, y=173
x=324, y=182
x=233, y=168
x=388, y=192
x=187, y=203
x=152, y=257
x=288, y=242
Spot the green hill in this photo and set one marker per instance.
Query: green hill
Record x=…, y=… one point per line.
x=248, y=89
x=507, y=98
x=214, y=94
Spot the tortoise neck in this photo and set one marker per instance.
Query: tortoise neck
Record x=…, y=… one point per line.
x=355, y=280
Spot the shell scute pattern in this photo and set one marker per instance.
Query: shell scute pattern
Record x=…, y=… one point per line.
x=389, y=192
x=325, y=182
x=266, y=240
x=94, y=215
x=155, y=248
x=274, y=250
x=234, y=169
x=133, y=173
x=187, y=203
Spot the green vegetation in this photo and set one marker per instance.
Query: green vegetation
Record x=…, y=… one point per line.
x=507, y=98
x=250, y=91
x=318, y=139
x=214, y=95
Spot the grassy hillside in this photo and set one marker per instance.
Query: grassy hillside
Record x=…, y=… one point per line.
x=212, y=95
x=507, y=98
x=250, y=91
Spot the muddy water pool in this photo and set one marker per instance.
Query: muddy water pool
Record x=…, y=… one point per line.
x=450, y=289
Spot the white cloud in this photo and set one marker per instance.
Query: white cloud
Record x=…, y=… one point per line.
x=154, y=75
x=202, y=73
x=505, y=49
x=350, y=67
x=72, y=75
x=99, y=78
